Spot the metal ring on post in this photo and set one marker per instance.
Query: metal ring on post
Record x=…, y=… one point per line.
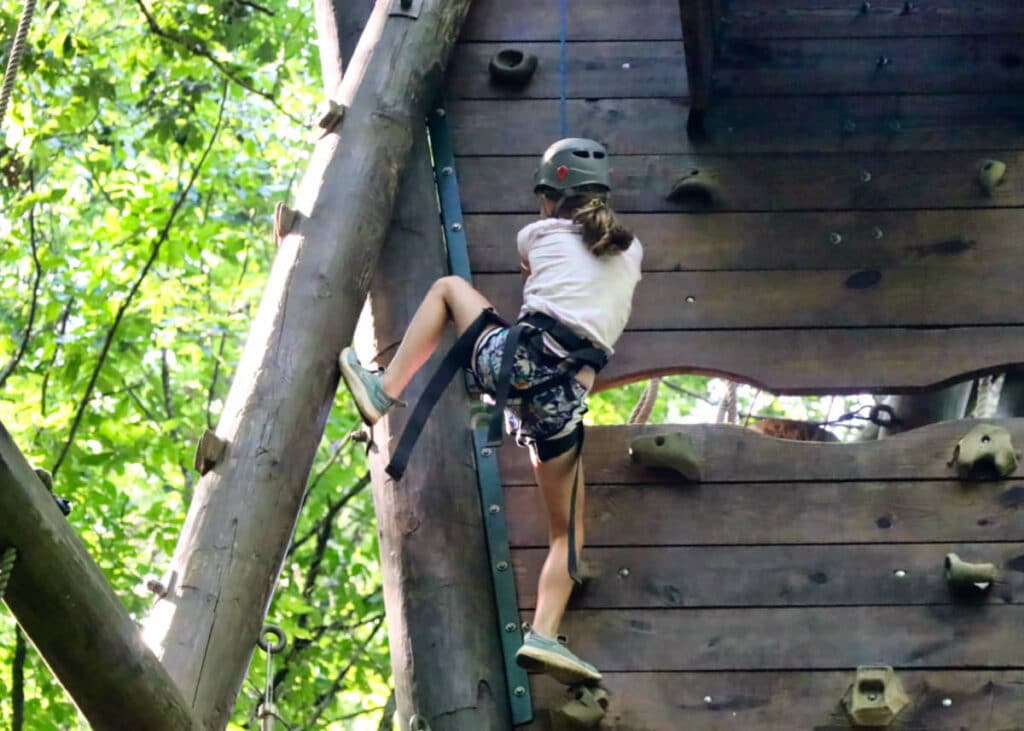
x=281, y=639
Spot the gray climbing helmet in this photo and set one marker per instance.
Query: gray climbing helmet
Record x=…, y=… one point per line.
x=572, y=164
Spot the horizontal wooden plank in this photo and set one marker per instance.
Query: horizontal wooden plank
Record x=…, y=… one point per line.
x=673, y=513
x=833, y=181
x=957, y=240
x=747, y=124
x=587, y=20
x=637, y=640
x=870, y=66
x=593, y=70
x=807, y=362
x=595, y=20
x=767, y=576
x=941, y=700
x=793, y=299
x=732, y=454
x=843, y=19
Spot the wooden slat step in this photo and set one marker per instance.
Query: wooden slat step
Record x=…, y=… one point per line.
x=844, y=19
x=594, y=70
x=824, y=638
x=746, y=125
x=791, y=701
x=870, y=66
x=948, y=240
x=770, y=576
x=808, y=362
x=837, y=181
x=587, y=20
x=794, y=299
x=671, y=513
x=733, y=454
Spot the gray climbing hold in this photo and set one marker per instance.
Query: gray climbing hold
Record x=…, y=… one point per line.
x=675, y=451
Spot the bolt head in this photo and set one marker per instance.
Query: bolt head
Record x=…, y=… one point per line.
x=502, y=566
x=494, y=509
x=520, y=691
x=486, y=452
x=440, y=112
x=511, y=627
x=447, y=170
x=456, y=227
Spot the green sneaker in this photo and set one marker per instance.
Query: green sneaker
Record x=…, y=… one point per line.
x=366, y=388
x=555, y=659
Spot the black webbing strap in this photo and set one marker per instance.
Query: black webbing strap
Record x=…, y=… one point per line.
x=573, y=568
x=456, y=358
x=508, y=359
x=577, y=348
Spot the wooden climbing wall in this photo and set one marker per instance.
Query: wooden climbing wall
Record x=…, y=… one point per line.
x=848, y=247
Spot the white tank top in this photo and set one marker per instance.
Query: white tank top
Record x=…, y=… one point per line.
x=592, y=295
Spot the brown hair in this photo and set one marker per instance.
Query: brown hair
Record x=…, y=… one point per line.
x=602, y=232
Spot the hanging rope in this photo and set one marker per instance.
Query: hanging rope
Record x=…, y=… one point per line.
x=7, y=559
x=14, y=59
x=562, y=113
x=645, y=404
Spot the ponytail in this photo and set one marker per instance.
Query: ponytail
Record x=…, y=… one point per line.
x=602, y=232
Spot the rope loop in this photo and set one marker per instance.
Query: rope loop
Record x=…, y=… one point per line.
x=7, y=559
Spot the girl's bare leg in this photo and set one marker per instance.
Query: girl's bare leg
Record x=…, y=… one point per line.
x=555, y=478
x=449, y=297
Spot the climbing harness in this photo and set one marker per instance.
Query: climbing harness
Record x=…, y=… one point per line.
x=267, y=711
x=7, y=559
x=14, y=59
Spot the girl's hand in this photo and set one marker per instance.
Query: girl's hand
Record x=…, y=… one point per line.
x=524, y=269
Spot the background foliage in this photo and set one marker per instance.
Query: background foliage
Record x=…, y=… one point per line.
x=146, y=144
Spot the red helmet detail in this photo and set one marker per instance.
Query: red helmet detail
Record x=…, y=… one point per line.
x=563, y=172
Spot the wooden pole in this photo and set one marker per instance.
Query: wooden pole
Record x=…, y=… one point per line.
x=244, y=510
x=66, y=606
x=442, y=623
x=338, y=26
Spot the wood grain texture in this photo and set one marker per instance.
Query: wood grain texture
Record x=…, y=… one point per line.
x=805, y=362
x=767, y=576
x=791, y=701
x=954, y=241
x=747, y=124
x=904, y=297
x=597, y=70
x=836, y=181
x=870, y=66
x=733, y=454
x=588, y=20
x=844, y=19
x=826, y=638
x=671, y=513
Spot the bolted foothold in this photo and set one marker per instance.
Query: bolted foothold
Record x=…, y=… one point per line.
x=512, y=67
x=875, y=697
x=985, y=453
x=209, y=452
x=991, y=174
x=284, y=221
x=328, y=114
x=675, y=451
x=584, y=707
x=156, y=587
x=694, y=189
x=971, y=577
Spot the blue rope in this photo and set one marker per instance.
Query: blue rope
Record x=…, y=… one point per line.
x=562, y=73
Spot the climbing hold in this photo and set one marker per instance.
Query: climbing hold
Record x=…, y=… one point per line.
x=972, y=577
x=991, y=174
x=693, y=189
x=209, y=452
x=47, y=479
x=328, y=114
x=284, y=221
x=875, y=697
x=584, y=707
x=512, y=67
x=674, y=451
x=985, y=453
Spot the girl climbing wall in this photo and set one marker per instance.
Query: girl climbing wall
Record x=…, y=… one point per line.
x=580, y=267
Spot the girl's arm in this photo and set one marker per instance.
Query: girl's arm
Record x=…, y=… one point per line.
x=524, y=268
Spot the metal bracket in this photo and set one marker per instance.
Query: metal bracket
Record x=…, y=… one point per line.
x=406, y=8
x=489, y=481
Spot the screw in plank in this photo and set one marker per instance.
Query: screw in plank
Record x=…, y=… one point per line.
x=456, y=227
x=520, y=691
x=486, y=452
x=835, y=238
x=899, y=573
x=947, y=702
x=865, y=176
x=623, y=572
x=883, y=61
x=502, y=566
x=440, y=112
x=511, y=627
x=494, y=509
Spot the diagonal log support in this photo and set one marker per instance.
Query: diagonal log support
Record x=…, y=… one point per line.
x=66, y=606
x=244, y=510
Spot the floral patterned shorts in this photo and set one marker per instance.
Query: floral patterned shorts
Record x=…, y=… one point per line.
x=550, y=414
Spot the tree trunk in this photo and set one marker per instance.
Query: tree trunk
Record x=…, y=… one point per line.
x=442, y=623
x=244, y=510
x=66, y=606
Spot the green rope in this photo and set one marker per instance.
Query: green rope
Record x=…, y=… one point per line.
x=7, y=560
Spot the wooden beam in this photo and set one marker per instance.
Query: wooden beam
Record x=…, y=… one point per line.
x=244, y=511
x=442, y=623
x=700, y=30
x=66, y=606
x=339, y=24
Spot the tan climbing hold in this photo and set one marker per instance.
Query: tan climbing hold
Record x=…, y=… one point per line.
x=284, y=221
x=991, y=174
x=584, y=707
x=875, y=697
x=674, y=451
x=209, y=452
x=985, y=453
x=961, y=574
